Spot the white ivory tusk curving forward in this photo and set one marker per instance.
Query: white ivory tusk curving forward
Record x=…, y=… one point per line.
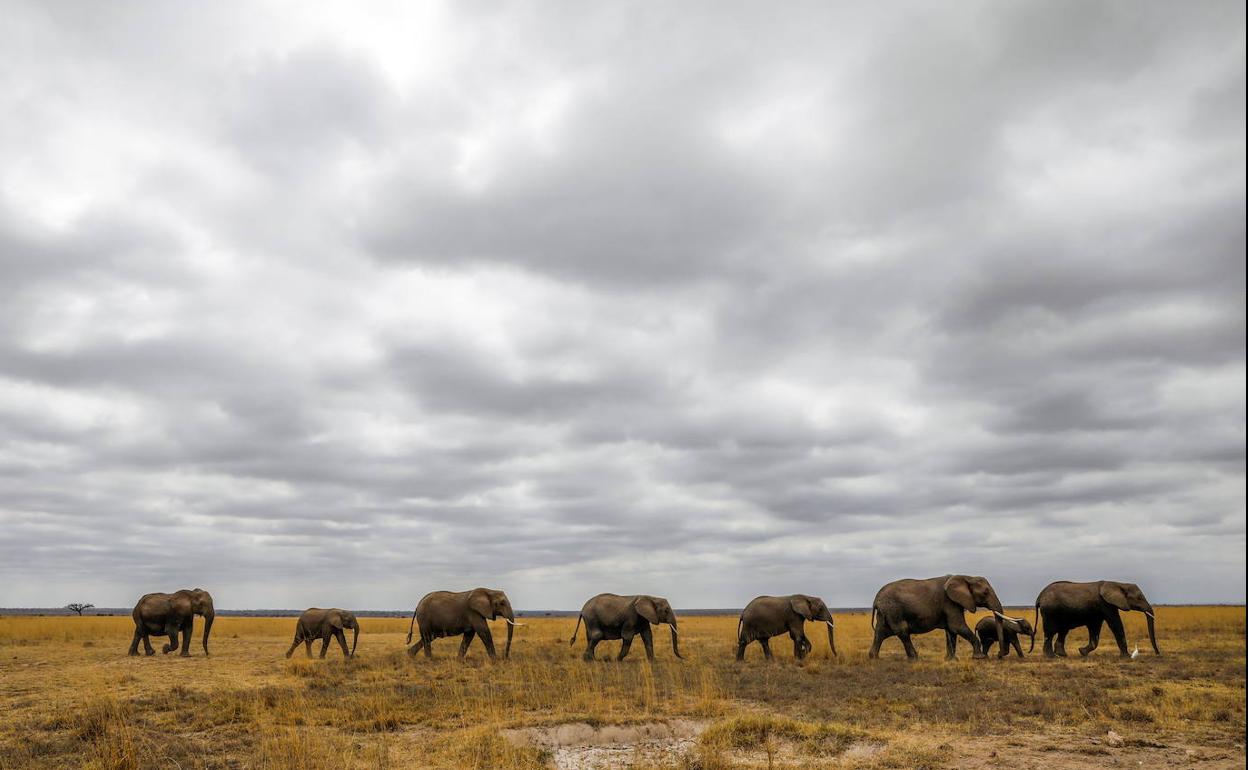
x=514, y=623
x=1003, y=616
x=673, y=627
x=1150, y=615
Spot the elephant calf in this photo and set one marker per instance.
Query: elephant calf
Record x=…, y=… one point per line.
x=611, y=616
x=316, y=623
x=986, y=630
x=768, y=616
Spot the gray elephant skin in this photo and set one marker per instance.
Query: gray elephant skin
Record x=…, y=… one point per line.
x=611, y=616
x=768, y=616
x=986, y=630
x=1066, y=605
x=466, y=613
x=907, y=607
x=316, y=623
x=170, y=615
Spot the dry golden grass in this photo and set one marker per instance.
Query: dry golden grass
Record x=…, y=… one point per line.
x=72, y=698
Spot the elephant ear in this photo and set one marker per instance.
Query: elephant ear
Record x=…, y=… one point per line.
x=801, y=605
x=335, y=620
x=479, y=602
x=959, y=591
x=645, y=608
x=1113, y=593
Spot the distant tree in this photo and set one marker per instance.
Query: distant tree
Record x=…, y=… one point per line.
x=78, y=607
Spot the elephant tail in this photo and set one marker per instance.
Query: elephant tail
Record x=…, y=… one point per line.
x=576, y=630
x=872, y=617
x=740, y=620
x=411, y=627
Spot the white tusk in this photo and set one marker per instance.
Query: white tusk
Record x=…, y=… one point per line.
x=1150, y=615
x=514, y=623
x=674, y=631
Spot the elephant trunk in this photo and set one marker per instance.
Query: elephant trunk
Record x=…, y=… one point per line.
x=208, y=618
x=1152, y=630
x=831, y=640
x=355, y=636
x=511, y=629
x=675, y=644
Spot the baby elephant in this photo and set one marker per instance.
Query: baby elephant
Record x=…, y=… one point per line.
x=316, y=623
x=986, y=630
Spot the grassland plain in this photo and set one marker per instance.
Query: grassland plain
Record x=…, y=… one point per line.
x=72, y=698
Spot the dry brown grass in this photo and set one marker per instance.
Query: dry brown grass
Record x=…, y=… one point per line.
x=72, y=698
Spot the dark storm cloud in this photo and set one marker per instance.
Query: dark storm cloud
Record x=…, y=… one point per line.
x=711, y=301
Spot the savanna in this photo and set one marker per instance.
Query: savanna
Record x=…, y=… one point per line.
x=73, y=699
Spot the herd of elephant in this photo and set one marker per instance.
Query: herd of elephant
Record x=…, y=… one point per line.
x=902, y=608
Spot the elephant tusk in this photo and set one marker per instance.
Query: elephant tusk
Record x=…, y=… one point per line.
x=1003, y=616
x=1150, y=615
x=674, y=631
x=514, y=623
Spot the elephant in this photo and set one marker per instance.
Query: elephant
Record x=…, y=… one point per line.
x=448, y=613
x=986, y=630
x=768, y=616
x=170, y=615
x=611, y=616
x=1065, y=605
x=908, y=607
x=316, y=623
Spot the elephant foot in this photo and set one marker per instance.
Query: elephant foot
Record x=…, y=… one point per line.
x=134, y=653
x=184, y=655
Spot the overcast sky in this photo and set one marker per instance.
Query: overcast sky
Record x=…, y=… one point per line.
x=319, y=307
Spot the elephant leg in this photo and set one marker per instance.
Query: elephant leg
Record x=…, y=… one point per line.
x=911, y=653
x=1060, y=647
x=307, y=646
x=487, y=639
x=1048, y=644
x=428, y=642
x=415, y=648
x=958, y=626
x=342, y=642
x=766, y=645
x=647, y=639
x=591, y=644
x=134, y=643
x=294, y=644
x=463, y=645
x=741, y=650
x=881, y=633
x=625, y=643
x=1017, y=646
x=147, y=642
x=188, y=630
x=951, y=645
x=171, y=631
x=324, y=645
x=1094, y=638
x=1114, y=622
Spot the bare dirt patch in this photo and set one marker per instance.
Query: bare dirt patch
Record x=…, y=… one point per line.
x=582, y=746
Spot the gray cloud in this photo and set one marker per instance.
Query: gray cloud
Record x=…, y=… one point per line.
x=706, y=302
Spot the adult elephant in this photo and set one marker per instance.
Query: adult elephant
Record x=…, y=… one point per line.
x=768, y=616
x=170, y=615
x=611, y=616
x=1065, y=605
x=906, y=607
x=316, y=623
x=452, y=613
